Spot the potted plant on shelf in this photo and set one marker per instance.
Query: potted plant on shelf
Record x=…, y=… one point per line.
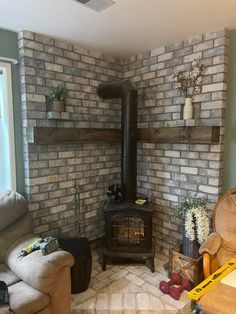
x=196, y=224
x=190, y=84
x=56, y=99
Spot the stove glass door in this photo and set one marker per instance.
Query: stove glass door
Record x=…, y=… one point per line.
x=128, y=231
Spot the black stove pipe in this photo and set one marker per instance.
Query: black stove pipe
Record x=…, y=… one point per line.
x=129, y=97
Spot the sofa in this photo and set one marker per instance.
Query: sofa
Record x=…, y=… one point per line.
x=36, y=283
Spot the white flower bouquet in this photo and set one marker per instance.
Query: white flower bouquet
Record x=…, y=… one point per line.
x=196, y=220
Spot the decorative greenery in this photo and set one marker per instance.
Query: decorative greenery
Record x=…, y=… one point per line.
x=195, y=216
x=59, y=93
x=188, y=203
x=190, y=83
x=197, y=224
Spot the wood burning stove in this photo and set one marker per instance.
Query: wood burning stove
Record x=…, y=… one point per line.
x=128, y=233
x=128, y=226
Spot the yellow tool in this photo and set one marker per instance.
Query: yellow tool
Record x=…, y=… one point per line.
x=140, y=201
x=46, y=245
x=210, y=281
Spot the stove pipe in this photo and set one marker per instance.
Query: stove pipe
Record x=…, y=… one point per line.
x=129, y=98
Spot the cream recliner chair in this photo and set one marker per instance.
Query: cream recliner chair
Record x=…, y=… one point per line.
x=36, y=283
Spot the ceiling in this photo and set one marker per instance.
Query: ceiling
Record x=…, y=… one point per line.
x=128, y=27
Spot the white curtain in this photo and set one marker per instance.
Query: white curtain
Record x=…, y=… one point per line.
x=7, y=145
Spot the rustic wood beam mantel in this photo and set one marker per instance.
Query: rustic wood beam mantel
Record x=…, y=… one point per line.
x=41, y=135
x=198, y=135
x=190, y=134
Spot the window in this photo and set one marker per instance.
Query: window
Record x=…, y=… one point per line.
x=7, y=143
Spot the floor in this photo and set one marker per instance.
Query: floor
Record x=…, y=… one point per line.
x=128, y=289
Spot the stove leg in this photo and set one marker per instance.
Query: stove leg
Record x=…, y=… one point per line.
x=150, y=264
x=104, y=262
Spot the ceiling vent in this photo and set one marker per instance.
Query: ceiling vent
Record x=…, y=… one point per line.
x=97, y=5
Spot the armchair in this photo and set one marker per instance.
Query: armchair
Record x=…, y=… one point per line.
x=36, y=283
x=220, y=246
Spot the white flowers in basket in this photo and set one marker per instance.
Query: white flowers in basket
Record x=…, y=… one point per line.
x=196, y=220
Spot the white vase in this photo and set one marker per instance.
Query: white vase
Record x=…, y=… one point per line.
x=188, y=109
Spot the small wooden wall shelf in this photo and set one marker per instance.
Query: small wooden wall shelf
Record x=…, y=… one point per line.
x=41, y=135
x=198, y=135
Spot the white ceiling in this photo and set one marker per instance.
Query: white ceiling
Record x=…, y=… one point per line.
x=128, y=27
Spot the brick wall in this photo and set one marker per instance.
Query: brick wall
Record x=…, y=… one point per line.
x=167, y=172
x=52, y=172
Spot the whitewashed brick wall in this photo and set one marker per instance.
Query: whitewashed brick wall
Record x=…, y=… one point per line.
x=53, y=171
x=167, y=172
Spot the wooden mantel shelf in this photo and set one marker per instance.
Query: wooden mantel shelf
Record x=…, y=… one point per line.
x=44, y=135
x=198, y=135
x=185, y=134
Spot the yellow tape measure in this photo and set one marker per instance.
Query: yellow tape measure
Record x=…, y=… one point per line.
x=210, y=281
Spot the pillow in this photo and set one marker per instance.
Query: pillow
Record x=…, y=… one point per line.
x=12, y=207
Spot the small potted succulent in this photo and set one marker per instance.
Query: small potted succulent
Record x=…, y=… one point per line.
x=196, y=224
x=190, y=84
x=56, y=99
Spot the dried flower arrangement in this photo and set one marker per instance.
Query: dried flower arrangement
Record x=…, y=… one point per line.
x=191, y=82
x=195, y=216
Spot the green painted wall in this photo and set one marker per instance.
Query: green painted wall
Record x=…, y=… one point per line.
x=230, y=135
x=9, y=49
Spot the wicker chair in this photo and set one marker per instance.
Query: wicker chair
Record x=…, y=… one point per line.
x=218, y=249
x=220, y=246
